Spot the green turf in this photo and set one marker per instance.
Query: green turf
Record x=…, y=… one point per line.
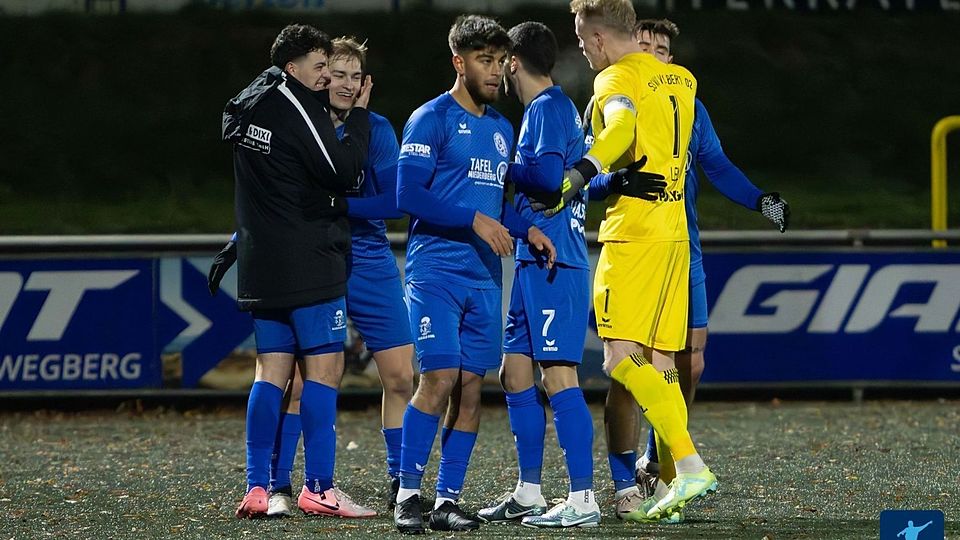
x=793, y=470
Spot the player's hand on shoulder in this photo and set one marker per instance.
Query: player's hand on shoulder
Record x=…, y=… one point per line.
x=493, y=233
x=633, y=181
x=363, y=97
x=542, y=244
x=775, y=208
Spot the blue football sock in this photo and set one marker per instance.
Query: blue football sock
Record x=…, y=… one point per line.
x=263, y=417
x=623, y=469
x=419, y=431
x=651, y=452
x=393, y=439
x=318, y=413
x=575, y=435
x=529, y=425
x=284, y=451
x=455, y=449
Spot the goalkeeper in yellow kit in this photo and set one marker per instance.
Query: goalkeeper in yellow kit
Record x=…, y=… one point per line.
x=643, y=108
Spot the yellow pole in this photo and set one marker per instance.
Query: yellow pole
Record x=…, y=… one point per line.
x=938, y=174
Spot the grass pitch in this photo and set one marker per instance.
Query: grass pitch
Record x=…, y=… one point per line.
x=790, y=470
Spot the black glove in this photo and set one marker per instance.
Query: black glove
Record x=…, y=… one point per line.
x=221, y=263
x=633, y=182
x=775, y=209
x=573, y=181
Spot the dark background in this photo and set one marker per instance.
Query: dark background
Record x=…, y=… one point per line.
x=110, y=123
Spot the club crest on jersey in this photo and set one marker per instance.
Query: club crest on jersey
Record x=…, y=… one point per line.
x=426, y=329
x=500, y=143
x=501, y=172
x=339, y=321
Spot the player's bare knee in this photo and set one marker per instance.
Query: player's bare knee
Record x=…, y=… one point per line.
x=469, y=404
x=516, y=373
x=434, y=389
x=558, y=377
x=697, y=364
x=398, y=384
x=513, y=382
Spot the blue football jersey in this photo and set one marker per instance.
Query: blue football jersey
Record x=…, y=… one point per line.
x=467, y=157
x=370, y=235
x=551, y=124
x=691, y=186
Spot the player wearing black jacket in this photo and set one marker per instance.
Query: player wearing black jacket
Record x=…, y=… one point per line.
x=291, y=173
x=294, y=244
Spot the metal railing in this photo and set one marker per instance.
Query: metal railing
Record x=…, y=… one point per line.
x=72, y=245
x=938, y=174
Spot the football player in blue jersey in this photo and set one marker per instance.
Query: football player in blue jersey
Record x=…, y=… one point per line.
x=653, y=474
x=547, y=319
x=453, y=163
x=375, y=297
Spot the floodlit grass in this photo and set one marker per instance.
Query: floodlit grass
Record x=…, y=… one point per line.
x=787, y=471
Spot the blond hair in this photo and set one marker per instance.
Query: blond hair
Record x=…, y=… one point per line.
x=350, y=47
x=617, y=15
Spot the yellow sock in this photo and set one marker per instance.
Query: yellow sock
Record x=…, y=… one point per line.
x=667, y=469
x=660, y=400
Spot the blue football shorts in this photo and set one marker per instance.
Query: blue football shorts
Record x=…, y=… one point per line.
x=376, y=303
x=318, y=328
x=455, y=326
x=548, y=314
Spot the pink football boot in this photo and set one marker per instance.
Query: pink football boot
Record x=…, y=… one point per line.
x=254, y=504
x=331, y=502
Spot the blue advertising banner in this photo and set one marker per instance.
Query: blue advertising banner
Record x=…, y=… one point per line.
x=833, y=316
x=775, y=317
x=78, y=324
x=203, y=329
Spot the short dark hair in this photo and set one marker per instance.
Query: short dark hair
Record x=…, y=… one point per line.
x=536, y=46
x=476, y=33
x=663, y=27
x=297, y=40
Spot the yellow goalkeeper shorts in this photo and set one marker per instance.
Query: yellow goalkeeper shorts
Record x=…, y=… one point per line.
x=641, y=293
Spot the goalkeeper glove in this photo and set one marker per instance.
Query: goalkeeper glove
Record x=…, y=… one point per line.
x=221, y=263
x=775, y=209
x=573, y=181
x=633, y=182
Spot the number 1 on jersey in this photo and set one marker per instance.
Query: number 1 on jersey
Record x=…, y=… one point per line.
x=676, y=126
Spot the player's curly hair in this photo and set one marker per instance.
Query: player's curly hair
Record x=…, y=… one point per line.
x=297, y=40
x=536, y=46
x=663, y=27
x=476, y=33
x=350, y=47
x=617, y=15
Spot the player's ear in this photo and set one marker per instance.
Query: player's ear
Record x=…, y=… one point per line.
x=458, y=63
x=514, y=64
x=291, y=69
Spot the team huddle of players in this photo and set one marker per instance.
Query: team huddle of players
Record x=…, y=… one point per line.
x=316, y=176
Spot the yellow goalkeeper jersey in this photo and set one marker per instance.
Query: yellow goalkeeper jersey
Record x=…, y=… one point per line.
x=663, y=97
